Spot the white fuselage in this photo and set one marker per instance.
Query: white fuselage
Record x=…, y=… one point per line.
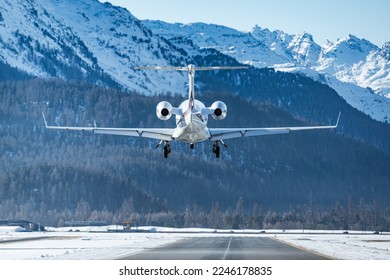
x=191, y=126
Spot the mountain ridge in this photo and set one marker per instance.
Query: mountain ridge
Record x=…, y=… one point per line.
x=350, y=60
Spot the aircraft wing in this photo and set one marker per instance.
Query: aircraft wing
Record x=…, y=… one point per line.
x=153, y=133
x=229, y=133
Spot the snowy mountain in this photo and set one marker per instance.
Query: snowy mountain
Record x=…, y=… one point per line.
x=344, y=54
x=242, y=46
x=354, y=67
x=88, y=39
x=35, y=42
x=357, y=61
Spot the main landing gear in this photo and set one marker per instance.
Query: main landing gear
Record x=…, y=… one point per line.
x=166, y=149
x=217, y=149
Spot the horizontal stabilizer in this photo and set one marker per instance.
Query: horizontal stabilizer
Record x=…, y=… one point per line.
x=191, y=67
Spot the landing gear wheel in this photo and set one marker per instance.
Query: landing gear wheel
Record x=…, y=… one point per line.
x=216, y=149
x=167, y=149
x=166, y=152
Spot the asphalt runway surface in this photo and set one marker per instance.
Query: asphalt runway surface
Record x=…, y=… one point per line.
x=226, y=248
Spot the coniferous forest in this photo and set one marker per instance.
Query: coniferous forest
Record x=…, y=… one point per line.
x=333, y=179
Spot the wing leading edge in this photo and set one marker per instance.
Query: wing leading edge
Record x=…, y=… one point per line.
x=153, y=133
x=230, y=133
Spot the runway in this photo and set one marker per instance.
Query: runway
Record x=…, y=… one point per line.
x=226, y=248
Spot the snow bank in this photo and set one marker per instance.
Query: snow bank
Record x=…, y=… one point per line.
x=97, y=243
x=12, y=229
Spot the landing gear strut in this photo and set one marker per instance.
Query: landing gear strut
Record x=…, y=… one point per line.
x=167, y=147
x=217, y=149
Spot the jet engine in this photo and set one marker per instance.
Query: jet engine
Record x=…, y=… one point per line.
x=219, y=110
x=164, y=110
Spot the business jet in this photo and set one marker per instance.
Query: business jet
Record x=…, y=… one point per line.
x=191, y=120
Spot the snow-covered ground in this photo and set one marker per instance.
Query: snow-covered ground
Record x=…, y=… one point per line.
x=355, y=246
x=96, y=243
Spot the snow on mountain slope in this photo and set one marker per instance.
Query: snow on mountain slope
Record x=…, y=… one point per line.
x=120, y=42
x=354, y=67
x=363, y=99
x=46, y=38
x=277, y=41
x=304, y=50
x=356, y=61
x=240, y=45
x=374, y=72
x=30, y=37
x=344, y=54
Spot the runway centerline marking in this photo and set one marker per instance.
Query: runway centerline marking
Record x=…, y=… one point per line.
x=227, y=249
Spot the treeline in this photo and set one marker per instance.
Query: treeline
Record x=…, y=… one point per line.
x=361, y=217
x=53, y=176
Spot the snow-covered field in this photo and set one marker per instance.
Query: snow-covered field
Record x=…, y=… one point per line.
x=98, y=244
x=353, y=246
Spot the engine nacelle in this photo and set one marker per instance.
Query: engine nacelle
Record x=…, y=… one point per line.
x=219, y=110
x=164, y=110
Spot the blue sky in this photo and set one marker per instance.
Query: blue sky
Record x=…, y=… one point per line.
x=330, y=19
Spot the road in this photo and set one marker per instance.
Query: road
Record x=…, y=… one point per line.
x=226, y=248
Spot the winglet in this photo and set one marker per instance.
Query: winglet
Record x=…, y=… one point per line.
x=44, y=119
x=338, y=119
